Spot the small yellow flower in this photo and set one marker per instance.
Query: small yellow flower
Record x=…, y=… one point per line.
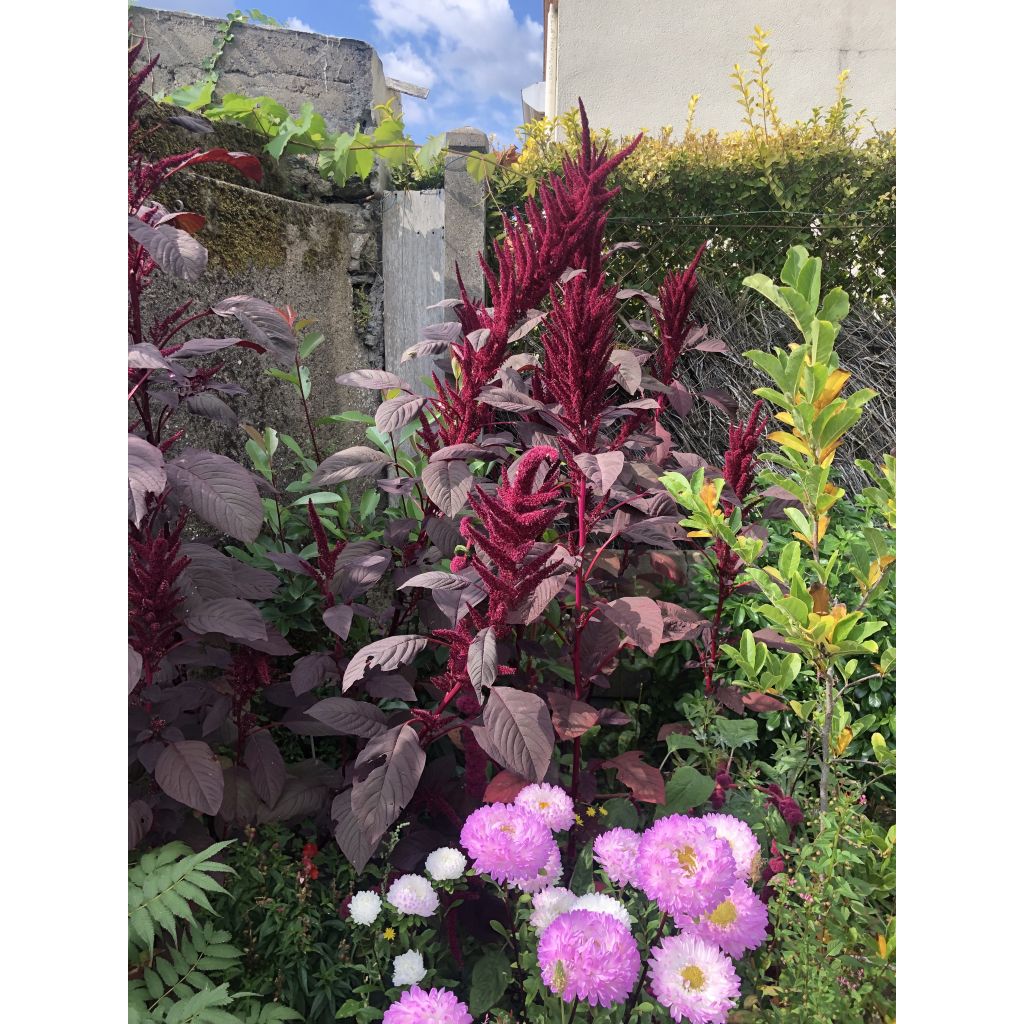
x=602, y=812
x=591, y=813
x=579, y=820
x=389, y=934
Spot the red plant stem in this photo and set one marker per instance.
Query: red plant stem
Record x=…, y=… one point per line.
x=184, y=323
x=581, y=540
x=710, y=658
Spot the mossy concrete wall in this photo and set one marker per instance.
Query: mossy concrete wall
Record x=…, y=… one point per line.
x=321, y=260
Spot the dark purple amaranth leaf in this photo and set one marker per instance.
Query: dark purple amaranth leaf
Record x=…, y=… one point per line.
x=300, y=798
x=140, y=820
x=134, y=668
x=357, y=575
x=266, y=766
x=571, y=718
x=599, y=645
x=349, y=464
x=189, y=772
x=509, y=401
x=504, y=787
x=525, y=327
x=263, y=323
x=220, y=491
x=388, y=686
x=147, y=357
x=356, y=843
x=346, y=717
x=204, y=346
x=482, y=661
x=175, y=252
x=192, y=123
x=644, y=781
x=240, y=804
x=313, y=670
x=395, y=413
x=721, y=400
x=371, y=380
x=681, y=623
x=681, y=399
x=338, y=619
x=446, y=330
x=217, y=715
x=613, y=716
x=732, y=697
x=460, y=452
x=448, y=485
x=425, y=348
x=212, y=408
x=601, y=470
x=231, y=616
x=762, y=702
x=660, y=531
x=149, y=753
x=712, y=345
x=244, y=163
x=386, y=654
x=435, y=581
x=274, y=644
x=444, y=533
x=628, y=373
x=146, y=473
x=640, y=619
x=635, y=293
x=517, y=732
x=387, y=771
x=291, y=562
x=776, y=641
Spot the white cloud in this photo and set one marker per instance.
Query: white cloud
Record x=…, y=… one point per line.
x=478, y=54
x=403, y=63
x=298, y=25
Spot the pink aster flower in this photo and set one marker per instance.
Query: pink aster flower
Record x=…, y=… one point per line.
x=550, y=874
x=616, y=851
x=684, y=866
x=589, y=955
x=508, y=843
x=694, y=980
x=550, y=803
x=438, y=1006
x=746, y=850
x=738, y=923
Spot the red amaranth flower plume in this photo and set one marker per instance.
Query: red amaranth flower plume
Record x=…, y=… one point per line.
x=154, y=564
x=744, y=439
x=562, y=231
x=675, y=297
x=577, y=340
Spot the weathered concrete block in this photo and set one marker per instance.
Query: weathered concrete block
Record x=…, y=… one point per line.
x=287, y=253
x=342, y=78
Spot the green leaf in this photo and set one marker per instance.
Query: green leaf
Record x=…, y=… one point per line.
x=192, y=97
x=836, y=306
x=621, y=813
x=686, y=789
x=736, y=732
x=491, y=975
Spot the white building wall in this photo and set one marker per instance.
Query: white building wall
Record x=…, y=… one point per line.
x=636, y=63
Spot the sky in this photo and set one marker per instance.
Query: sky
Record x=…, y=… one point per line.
x=475, y=56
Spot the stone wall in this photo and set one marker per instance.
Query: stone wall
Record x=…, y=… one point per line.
x=342, y=78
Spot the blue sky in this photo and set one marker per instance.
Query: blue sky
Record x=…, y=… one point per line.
x=474, y=55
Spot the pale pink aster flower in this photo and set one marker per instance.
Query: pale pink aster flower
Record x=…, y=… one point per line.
x=591, y=956
x=693, y=979
x=507, y=842
x=413, y=894
x=746, y=850
x=549, y=904
x=616, y=851
x=738, y=923
x=438, y=1006
x=549, y=875
x=551, y=803
x=684, y=867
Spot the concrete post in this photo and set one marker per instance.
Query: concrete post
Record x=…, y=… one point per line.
x=465, y=213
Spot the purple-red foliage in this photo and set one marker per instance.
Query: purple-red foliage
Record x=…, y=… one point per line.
x=675, y=297
x=154, y=564
x=578, y=339
x=561, y=231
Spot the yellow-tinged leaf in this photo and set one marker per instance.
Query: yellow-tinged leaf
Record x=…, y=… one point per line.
x=774, y=573
x=843, y=741
x=709, y=495
x=392, y=393
x=798, y=708
x=883, y=947
x=834, y=384
x=822, y=527
x=788, y=440
x=697, y=533
x=806, y=540
x=825, y=459
x=821, y=598
x=784, y=417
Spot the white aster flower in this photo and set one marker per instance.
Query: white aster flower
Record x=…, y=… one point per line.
x=548, y=904
x=602, y=903
x=364, y=907
x=409, y=969
x=413, y=894
x=446, y=864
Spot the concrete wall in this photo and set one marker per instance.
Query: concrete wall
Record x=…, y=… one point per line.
x=342, y=78
x=636, y=64
x=311, y=257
